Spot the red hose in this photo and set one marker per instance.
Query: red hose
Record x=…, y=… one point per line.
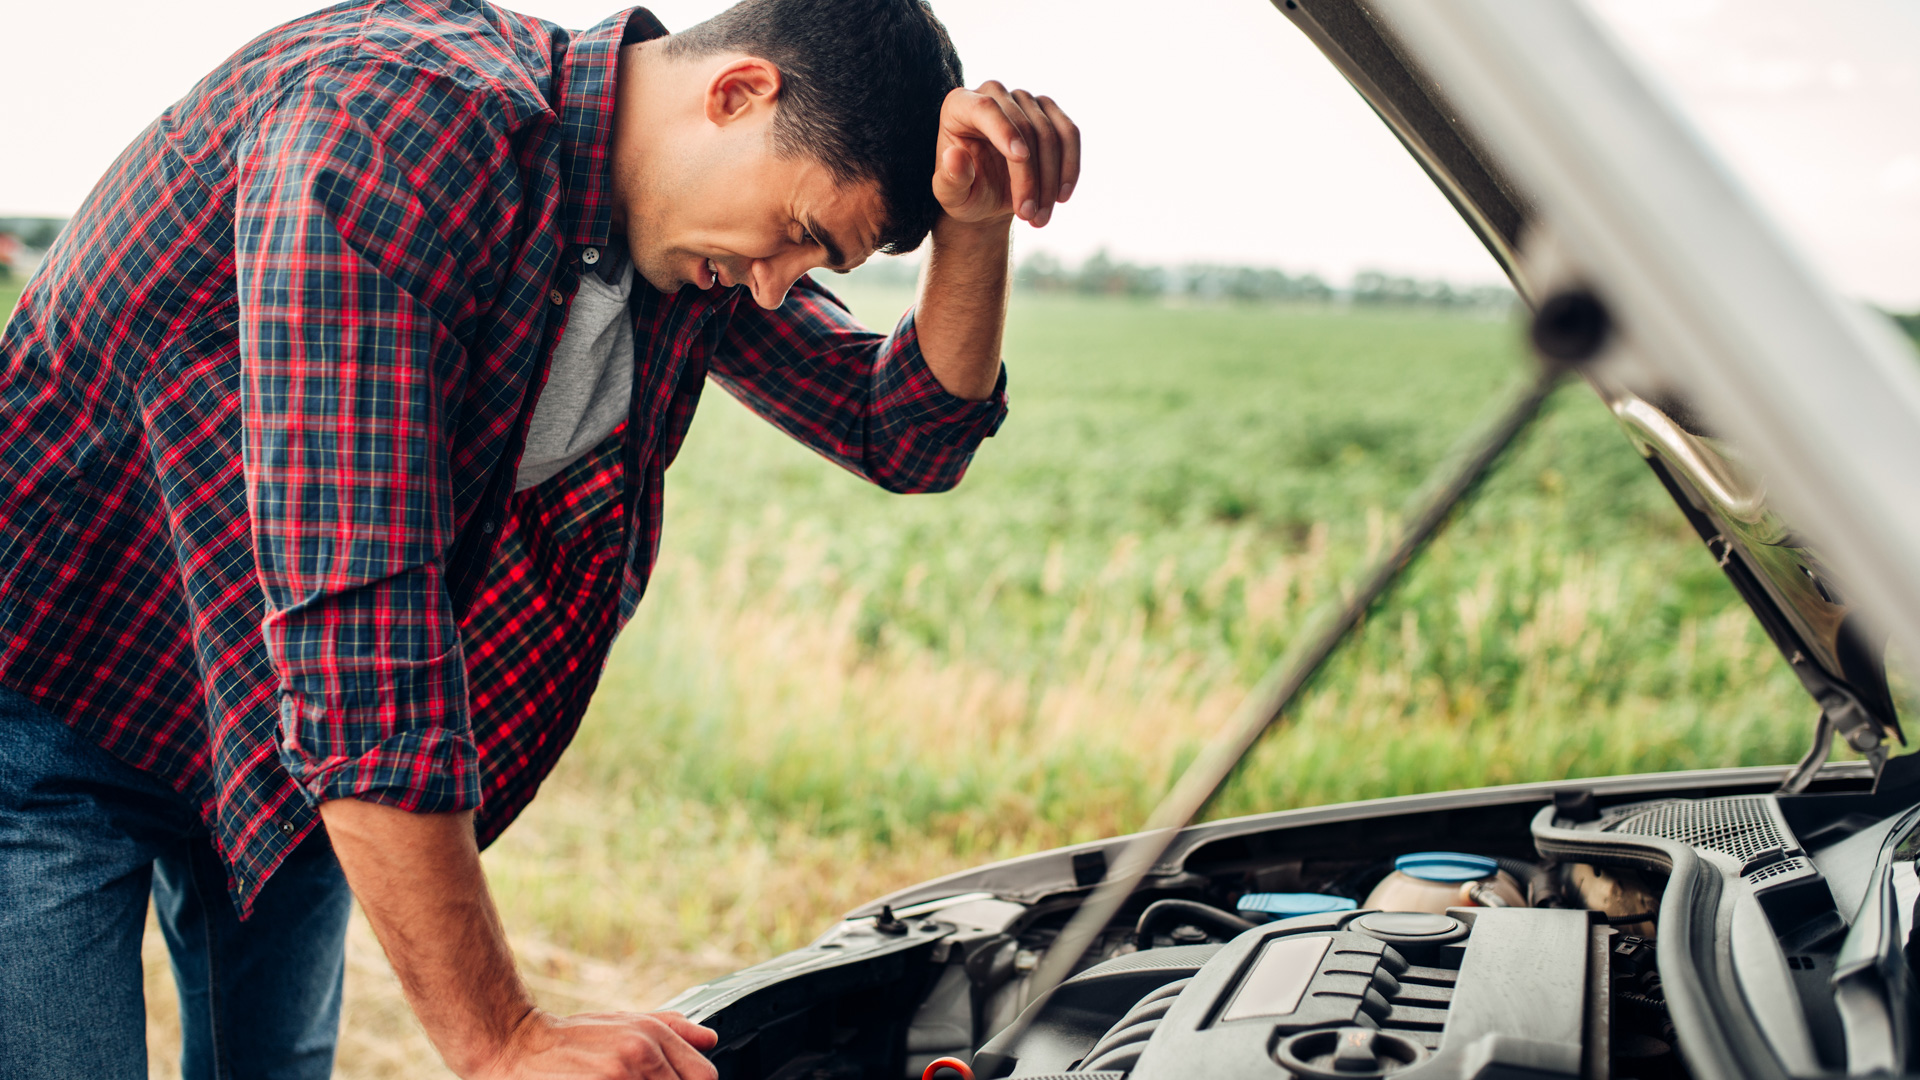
x=961, y=1067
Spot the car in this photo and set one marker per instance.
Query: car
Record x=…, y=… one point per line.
x=1741, y=922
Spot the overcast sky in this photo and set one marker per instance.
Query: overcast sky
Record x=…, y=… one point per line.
x=1214, y=131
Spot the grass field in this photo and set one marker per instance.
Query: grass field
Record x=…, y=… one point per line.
x=831, y=692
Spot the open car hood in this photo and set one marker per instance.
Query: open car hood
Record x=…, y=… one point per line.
x=1636, y=251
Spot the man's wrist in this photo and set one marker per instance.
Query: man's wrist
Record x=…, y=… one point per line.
x=494, y=1053
x=949, y=231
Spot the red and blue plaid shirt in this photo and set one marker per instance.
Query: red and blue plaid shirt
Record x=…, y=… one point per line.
x=265, y=400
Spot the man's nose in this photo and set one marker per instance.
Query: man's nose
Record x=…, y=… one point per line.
x=773, y=278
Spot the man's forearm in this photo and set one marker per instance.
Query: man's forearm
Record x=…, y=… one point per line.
x=962, y=309
x=418, y=878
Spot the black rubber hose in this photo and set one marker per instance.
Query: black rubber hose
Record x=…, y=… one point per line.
x=1535, y=880
x=1193, y=912
x=1519, y=868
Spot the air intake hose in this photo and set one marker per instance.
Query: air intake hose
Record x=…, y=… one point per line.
x=1168, y=913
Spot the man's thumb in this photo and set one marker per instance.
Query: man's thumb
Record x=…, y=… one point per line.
x=955, y=176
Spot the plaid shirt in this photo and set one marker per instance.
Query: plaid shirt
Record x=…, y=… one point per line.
x=265, y=400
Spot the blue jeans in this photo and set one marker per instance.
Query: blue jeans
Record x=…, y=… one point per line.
x=84, y=839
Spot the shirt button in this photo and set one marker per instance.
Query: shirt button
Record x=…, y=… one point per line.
x=486, y=526
x=590, y=256
x=556, y=297
x=287, y=827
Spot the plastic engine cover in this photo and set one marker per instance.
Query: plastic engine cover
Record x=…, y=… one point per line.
x=1478, y=993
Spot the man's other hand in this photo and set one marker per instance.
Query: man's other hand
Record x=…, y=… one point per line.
x=418, y=878
x=605, y=1046
x=1004, y=154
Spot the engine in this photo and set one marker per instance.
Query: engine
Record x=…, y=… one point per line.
x=1475, y=992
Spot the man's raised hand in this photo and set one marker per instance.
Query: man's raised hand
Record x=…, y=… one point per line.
x=1002, y=154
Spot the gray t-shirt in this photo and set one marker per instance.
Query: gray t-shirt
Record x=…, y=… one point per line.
x=590, y=379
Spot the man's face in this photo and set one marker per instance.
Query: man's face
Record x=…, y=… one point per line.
x=727, y=210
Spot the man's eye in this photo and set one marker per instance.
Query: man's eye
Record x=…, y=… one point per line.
x=807, y=237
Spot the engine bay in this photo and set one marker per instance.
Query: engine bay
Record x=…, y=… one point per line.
x=1452, y=965
x=1630, y=938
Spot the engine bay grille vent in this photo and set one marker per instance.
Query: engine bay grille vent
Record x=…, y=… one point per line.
x=1742, y=827
x=1749, y=829
x=1784, y=868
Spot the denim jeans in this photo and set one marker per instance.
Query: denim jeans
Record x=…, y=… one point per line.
x=84, y=839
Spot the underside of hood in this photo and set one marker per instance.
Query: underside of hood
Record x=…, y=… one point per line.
x=1793, y=591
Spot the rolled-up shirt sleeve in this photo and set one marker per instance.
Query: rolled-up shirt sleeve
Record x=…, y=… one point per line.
x=864, y=400
x=353, y=241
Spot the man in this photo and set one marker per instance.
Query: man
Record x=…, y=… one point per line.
x=337, y=423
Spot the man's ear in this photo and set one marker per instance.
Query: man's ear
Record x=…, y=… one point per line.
x=739, y=87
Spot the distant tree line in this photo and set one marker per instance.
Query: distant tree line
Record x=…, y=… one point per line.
x=1101, y=274
x=35, y=232
x=17, y=234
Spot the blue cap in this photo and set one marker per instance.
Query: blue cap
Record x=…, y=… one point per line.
x=1446, y=866
x=1267, y=906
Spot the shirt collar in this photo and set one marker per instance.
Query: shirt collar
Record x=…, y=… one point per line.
x=588, y=76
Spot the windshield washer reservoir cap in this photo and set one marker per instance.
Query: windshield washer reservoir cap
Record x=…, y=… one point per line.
x=1264, y=906
x=1446, y=866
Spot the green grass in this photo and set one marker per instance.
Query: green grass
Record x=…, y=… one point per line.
x=1159, y=469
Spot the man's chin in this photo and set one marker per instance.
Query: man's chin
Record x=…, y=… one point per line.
x=666, y=283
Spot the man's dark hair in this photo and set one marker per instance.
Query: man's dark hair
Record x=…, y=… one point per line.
x=862, y=82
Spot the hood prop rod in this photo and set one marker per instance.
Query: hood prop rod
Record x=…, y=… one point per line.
x=1269, y=700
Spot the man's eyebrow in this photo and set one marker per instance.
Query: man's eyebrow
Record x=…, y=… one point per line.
x=836, y=258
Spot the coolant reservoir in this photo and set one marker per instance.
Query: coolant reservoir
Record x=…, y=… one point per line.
x=1437, y=880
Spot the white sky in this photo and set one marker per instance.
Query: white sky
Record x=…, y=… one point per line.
x=1214, y=130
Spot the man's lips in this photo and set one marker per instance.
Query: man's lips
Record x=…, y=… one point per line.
x=708, y=273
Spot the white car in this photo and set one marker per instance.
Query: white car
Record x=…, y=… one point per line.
x=1750, y=922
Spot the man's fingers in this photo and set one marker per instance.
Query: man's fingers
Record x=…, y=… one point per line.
x=646, y=1058
x=1046, y=153
x=686, y=1062
x=699, y=1037
x=1069, y=133
x=1037, y=145
x=984, y=114
x=662, y=1053
x=1022, y=175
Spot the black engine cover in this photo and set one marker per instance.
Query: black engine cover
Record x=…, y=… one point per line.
x=1482, y=993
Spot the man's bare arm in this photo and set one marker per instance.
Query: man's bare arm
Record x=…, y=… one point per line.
x=418, y=878
x=962, y=308
x=1001, y=154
